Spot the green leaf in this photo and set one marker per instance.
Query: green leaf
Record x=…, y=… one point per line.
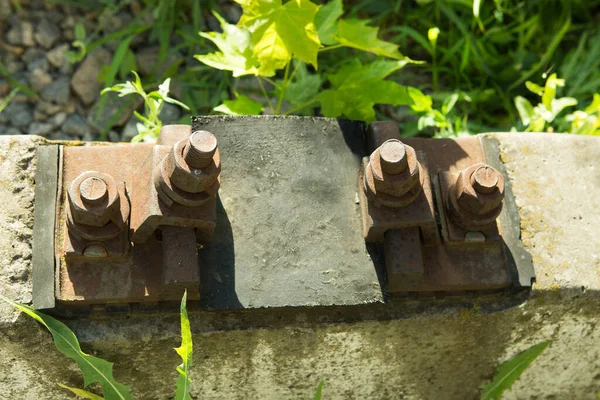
x=421, y=102
x=356, y=88
x=560, y=104
x=94, y=369
x=534, y=88
x=185, y=351
x=357, y=34
x=84, y=394
x=280, y=32
x=550, y=90
x=79, y=32
x=236, y=50
x=594, y=107
x=304, y=87
x=319, y=391
x=242, y=105
x=326, y=19
x=449, y=103
x=525, y=109
x=511, y=370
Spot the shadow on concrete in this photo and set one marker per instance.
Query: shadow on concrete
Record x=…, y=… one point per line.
x=217, y=267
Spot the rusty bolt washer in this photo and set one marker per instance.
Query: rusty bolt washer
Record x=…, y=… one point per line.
x=475, y=199
x=95, y=210
x=189, y=174
x=394, y=176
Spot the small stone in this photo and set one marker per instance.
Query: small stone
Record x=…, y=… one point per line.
x=20, y=114
x=39, y=63
x=31, y=54
x=14, y=66
x=39, y=116
x=85, y=82
x=57, y=57
x=47, y=33
x=4, y=117
x=20, y=33
x=115, y=112
x=5, y=9
x=40, y=128
x=13, y=131
x=48, y=108
x=129, y=130
x=169, y=114
x=39, y=79
x=57, y=92
x=75, y=126
x=89, y=136
x=58, y=119
x=114, y=136
x=147, y=61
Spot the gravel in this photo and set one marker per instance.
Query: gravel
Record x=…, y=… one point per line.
x=20, y=114
x=57, y=92
x=75, y=126
x=47, y=33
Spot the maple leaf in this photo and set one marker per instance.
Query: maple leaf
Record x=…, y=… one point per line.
x=357, y=34
x=357, y=88
x=280, y=32
x=237, y=52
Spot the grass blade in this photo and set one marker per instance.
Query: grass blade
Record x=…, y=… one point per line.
x=511, y=370
x=15, y=83
x=185, y=351
x=94, y=369
x=84, y=394
x=319, y=391
x=4, y=103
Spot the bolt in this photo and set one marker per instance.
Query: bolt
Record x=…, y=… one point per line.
x=485, y=180
x=95, y=250
x=392, y=156
x=93, y=190
x=200, y=148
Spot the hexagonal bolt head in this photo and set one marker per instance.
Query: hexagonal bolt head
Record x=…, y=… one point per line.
x=394, y=168
x=200, y=149
x=480, y=189
x=93, y=199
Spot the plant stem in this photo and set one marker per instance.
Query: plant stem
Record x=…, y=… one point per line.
x=335, y=46
x=272, y=82
x=283, y=88
x=300, y=107
x=264, y=92
x=435, y=70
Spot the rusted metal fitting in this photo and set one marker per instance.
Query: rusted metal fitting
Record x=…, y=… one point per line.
x=475, y=199
x=95, y=209
x=394, y=176
x=189, y=174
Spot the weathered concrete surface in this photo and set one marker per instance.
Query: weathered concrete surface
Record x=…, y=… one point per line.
x=556, y=181
x=442, y=350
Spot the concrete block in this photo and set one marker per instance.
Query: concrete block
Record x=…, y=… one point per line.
x=401, y=349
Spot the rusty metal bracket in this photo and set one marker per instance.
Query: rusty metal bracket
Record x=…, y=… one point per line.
x=130, y=218
x=449, y=239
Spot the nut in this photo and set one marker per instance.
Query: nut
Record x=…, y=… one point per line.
x=475, y=199
x=189, y=177
x=93, y=199
x=396, y=171
x=393, y=175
